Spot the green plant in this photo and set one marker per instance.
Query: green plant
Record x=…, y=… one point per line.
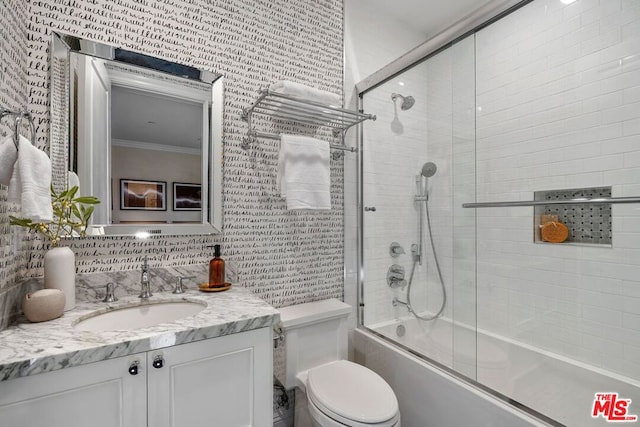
x=70, y=216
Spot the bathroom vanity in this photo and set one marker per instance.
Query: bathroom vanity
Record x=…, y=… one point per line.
x=212, y=368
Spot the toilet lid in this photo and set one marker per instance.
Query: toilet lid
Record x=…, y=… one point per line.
x=350, y=392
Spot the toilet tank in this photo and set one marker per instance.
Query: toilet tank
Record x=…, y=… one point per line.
x=315, y=333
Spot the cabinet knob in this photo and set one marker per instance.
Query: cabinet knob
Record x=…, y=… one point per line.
x=133, y=368
x=158, y=362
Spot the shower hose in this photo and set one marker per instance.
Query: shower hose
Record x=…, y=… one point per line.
x=413, y=269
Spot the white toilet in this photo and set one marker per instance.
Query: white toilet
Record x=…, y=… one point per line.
x=339, y=393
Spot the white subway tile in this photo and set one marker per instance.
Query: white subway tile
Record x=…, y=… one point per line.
x=632, y=95
x=631, y=305
x=621, y=114
x=559, y=109
x=631, y=127
x=605, y=316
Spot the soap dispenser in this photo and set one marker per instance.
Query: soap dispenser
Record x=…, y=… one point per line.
x=216, y=270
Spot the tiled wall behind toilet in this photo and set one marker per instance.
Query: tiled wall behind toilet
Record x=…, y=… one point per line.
x=283, y=256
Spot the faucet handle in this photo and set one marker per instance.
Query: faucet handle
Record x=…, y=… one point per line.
x=179, y=289
x=110, y=295
x=395, y=276
x=395, y=249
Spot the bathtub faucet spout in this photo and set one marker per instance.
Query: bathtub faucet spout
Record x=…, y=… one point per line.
x=396, y=301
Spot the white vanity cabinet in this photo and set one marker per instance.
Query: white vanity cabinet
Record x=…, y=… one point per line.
x=101, y=394
x=224, y=381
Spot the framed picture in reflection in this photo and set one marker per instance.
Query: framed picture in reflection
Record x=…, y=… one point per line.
x=143, y=195
x=187, y=197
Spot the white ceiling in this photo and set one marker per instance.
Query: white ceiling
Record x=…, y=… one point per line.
x=155, y=119
x=428, y=17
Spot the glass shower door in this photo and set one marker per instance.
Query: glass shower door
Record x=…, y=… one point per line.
x=418, y=166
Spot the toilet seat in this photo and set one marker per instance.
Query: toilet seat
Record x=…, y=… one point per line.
x=352, y=395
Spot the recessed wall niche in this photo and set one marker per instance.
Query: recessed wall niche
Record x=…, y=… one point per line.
x=588, y=224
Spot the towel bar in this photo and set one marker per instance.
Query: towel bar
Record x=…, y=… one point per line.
x=292, y=108
x=256, y=134
x=594, y=201
x=19, y=115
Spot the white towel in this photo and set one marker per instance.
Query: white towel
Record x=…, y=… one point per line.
x=31, y=183
x=286, y=87
x=304, y=177
x=8, y=157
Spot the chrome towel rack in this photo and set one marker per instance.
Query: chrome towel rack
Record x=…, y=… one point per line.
x=292, y=108
x=580, y=201
x=255, y=134
x=19, y=115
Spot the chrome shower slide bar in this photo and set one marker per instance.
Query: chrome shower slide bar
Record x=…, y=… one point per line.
x=593, y=201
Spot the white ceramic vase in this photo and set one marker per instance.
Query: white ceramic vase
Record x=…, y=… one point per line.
x=60, y=273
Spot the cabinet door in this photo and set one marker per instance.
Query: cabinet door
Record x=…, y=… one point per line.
x=224, y=382
x=101, y=394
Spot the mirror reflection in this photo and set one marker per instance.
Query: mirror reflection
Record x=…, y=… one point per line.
x=142, y=134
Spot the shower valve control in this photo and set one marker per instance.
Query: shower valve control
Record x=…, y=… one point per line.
x=395, y=276
x=395, y=249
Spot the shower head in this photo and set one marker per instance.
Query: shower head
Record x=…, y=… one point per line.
x=407, y=101
x=429, y=169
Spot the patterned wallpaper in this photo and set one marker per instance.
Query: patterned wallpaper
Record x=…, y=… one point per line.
x=283, y=256
x=13, y=95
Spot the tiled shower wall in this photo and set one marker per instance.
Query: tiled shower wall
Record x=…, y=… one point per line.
x=372, y=40
x=394, y=150
x=284, y=256
x=558, y=107
x=396, y=146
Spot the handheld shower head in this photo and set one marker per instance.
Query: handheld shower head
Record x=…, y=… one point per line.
x=429, y=169
x=407, y=101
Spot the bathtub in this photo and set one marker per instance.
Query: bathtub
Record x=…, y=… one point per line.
x=504, y=384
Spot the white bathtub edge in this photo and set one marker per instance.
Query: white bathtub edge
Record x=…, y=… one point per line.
x=506, y=414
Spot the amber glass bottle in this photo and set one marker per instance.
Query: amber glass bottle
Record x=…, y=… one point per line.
x=216, y=270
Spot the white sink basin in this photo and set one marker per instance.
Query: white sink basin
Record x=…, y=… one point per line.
x=139, y=316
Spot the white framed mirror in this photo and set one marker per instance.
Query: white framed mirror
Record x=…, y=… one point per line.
x=142, y=134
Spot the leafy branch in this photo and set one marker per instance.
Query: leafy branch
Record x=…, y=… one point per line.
x=70, y=216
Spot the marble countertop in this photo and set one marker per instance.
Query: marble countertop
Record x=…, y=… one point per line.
x=32, y=348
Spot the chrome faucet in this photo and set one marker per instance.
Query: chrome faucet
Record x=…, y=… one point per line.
x=145, y=292
x=179, y=289
x=397, y=301
x=110, y=295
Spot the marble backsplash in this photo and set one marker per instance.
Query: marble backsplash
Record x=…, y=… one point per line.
x=91, y=286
